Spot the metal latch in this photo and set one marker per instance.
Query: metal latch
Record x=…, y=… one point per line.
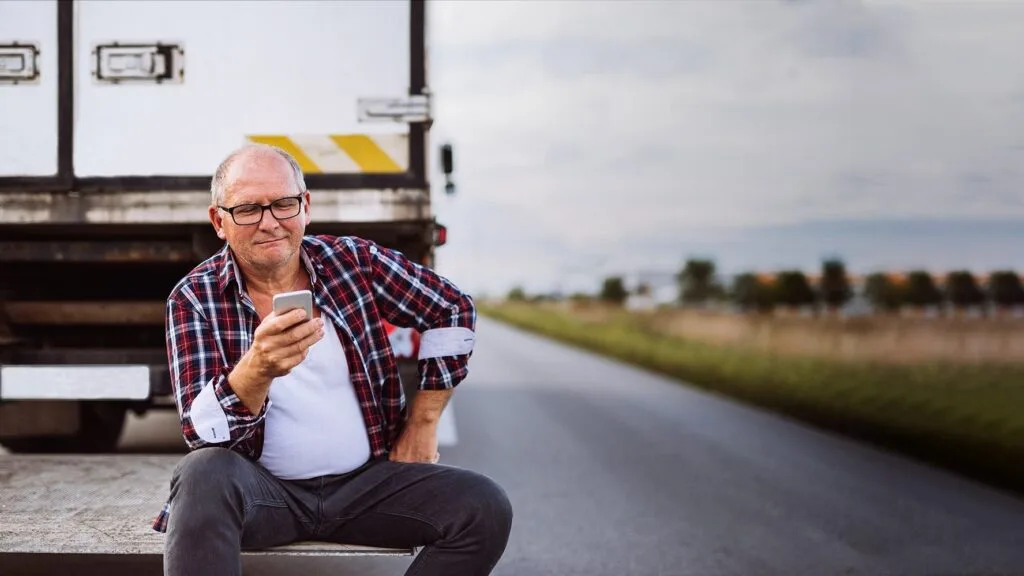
x=19, y=63
x=157, y=63
x=410, y=109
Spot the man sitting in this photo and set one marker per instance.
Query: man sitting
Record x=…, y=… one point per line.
x=297, y=426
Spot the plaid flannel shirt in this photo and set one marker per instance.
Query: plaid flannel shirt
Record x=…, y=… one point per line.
x=356, y=283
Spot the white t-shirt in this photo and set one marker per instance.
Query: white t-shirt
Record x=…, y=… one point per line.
x=314, y=426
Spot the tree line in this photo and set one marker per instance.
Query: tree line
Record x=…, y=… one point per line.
x=698, y=283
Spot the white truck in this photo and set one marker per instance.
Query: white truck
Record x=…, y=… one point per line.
x=113, y=117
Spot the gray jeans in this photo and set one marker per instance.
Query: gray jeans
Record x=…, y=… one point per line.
x=222, y=502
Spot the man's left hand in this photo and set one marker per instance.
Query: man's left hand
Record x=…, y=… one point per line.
x=416, y=443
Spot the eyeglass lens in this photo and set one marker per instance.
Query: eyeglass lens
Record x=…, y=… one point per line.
x=252, y=213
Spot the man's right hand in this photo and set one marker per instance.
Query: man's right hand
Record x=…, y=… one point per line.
x=280, y=343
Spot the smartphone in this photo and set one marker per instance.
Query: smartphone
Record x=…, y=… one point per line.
x=290, y=300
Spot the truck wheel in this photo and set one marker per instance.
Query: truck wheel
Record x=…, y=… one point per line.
x=101, y=424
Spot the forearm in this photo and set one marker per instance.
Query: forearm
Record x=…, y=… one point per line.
x=250, y=388
x=427, y=406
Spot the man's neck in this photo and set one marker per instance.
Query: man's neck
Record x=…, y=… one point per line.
x=270, y=282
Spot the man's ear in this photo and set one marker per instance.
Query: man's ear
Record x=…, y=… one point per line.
x=218, y=223
x=306, y=212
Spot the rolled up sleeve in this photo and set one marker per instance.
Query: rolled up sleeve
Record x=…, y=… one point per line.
x=209, y=410
x=410, y=295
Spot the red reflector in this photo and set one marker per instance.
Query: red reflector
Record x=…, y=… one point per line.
x=440, y=235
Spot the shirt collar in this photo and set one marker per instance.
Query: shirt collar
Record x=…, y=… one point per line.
x=227, y=269
x=229, y=272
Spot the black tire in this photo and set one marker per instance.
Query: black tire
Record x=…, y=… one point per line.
x=101, y=424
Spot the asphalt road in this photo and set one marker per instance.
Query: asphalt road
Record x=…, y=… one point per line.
x=614, y=471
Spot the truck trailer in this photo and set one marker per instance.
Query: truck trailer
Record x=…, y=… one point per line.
x=113, y=117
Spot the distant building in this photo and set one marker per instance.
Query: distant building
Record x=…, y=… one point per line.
x=650, y=289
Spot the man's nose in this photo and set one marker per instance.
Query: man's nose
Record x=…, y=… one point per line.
x=268, y=221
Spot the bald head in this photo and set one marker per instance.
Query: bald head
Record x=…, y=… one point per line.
x=264, y=176
x=253, y=155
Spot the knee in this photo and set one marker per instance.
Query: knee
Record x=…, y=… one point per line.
x=206, y=491
x=491, y=507
x=204, y=472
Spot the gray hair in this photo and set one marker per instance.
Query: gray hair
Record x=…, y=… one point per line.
x=218, y=184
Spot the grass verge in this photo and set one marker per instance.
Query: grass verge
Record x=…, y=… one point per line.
x=966, y=418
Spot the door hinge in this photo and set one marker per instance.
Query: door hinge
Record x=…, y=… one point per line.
x=158, y=63
x=19, y=63
x=410, y=109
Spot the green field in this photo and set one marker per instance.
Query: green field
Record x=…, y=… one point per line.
x=963, y=417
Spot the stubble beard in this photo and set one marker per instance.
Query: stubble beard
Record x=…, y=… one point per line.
x=268, y=263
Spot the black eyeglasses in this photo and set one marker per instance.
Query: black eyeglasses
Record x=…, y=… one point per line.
x=249, y=214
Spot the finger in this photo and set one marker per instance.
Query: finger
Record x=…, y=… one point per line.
x=290, y=360
x=275, y=324
x=299, y=347
x=303, y=330
x=316, y=333
x=289, y=319
x=288, y=338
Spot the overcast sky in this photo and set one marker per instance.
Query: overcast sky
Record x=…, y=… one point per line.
x=611, y=136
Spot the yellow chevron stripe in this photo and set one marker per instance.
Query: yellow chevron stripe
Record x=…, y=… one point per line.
x=366, y=153
x=285, y=143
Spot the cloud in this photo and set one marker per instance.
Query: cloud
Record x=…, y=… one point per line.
x=576, y=57
x=606, y=121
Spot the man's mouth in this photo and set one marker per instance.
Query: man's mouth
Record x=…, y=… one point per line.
x=269, y=241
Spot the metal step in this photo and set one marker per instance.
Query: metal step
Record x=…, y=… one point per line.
x=105, y=504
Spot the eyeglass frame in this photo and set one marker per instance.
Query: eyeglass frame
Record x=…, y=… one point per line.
x=263, y=210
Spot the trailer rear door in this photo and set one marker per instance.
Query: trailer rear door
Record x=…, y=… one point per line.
x=288, y=73
x=149, y=96
x=28, y=88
